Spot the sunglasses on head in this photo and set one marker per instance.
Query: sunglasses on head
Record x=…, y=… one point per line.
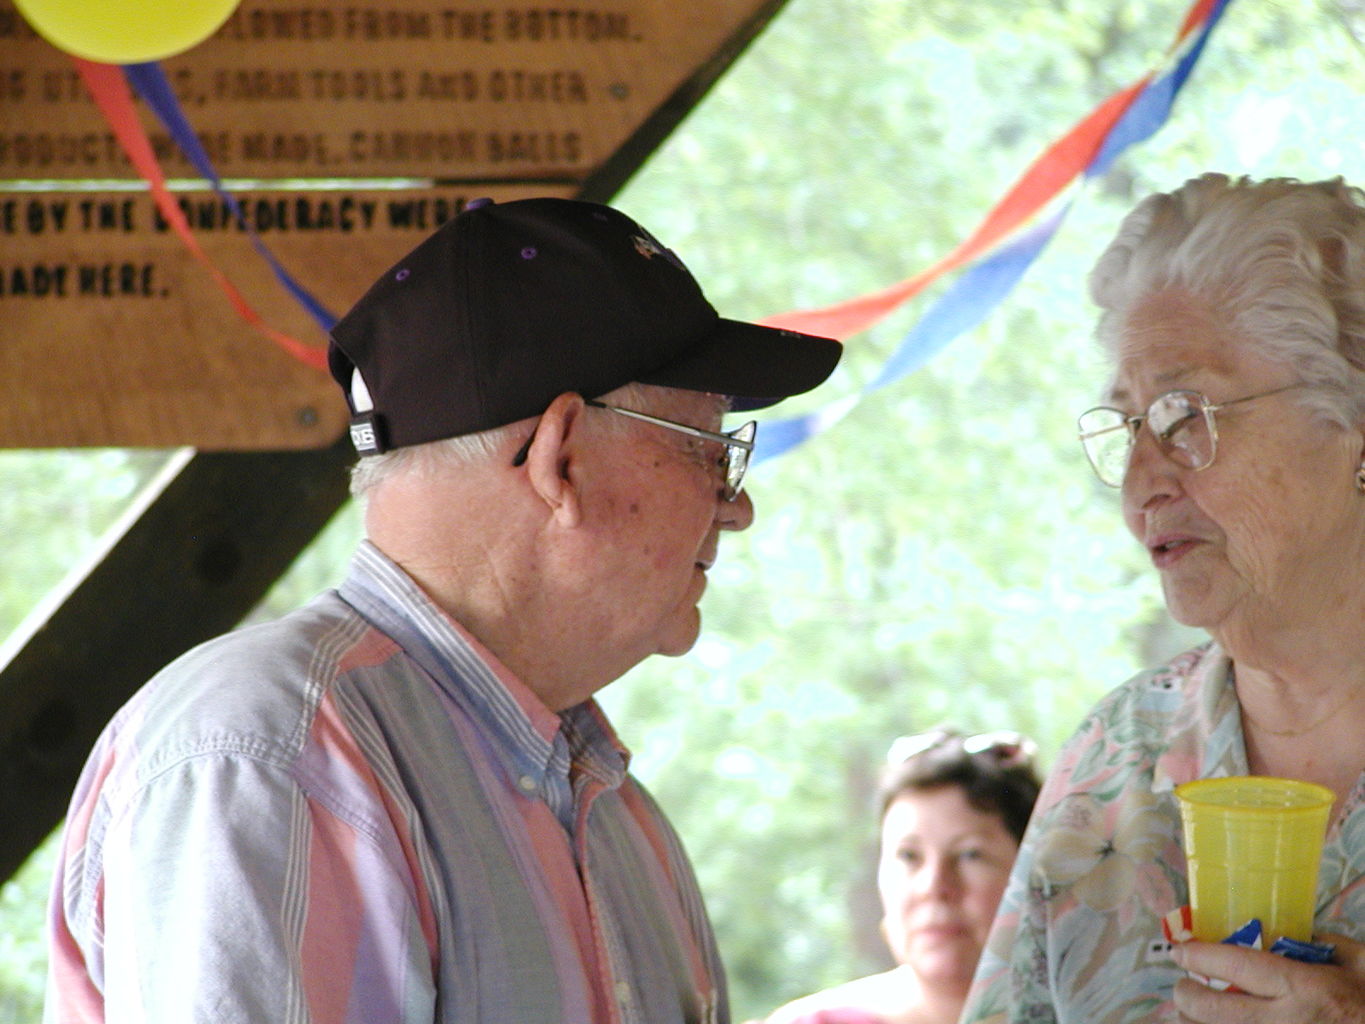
x=1006, y=748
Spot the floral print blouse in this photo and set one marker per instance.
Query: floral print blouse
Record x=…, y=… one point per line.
x=1078, y=936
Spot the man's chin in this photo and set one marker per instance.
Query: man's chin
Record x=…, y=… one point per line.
x=675, y=646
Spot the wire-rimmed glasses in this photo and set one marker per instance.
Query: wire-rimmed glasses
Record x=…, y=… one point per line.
x=739, y=443
x=1181, y=421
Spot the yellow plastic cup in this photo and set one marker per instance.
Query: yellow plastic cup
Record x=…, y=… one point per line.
x=1253, y=845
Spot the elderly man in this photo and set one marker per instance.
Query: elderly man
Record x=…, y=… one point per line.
x=400, y=803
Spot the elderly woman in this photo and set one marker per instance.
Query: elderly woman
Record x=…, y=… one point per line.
x=1234, y=427
x=952, y=810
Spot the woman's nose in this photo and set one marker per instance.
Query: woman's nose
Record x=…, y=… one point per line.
x=1149, y=474
x=938, y=878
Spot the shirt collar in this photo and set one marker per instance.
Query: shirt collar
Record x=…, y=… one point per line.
x=532, y=741
x=1206, y=740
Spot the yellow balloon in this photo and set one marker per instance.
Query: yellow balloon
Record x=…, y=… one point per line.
x=125, y=31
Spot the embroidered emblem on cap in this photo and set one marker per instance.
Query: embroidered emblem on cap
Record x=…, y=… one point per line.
x=647, y=247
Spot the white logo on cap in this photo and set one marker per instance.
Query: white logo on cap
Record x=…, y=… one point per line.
x=363, y=436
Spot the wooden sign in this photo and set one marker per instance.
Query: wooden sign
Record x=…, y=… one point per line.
x=347, y=132
x=112, y=334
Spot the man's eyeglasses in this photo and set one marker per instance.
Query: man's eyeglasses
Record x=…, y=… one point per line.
x=1008, y=749
x=1182, y=422
x=738, y=444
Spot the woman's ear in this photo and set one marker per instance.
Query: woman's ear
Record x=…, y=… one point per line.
x=555, y=455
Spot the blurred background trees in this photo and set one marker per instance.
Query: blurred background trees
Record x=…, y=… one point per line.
x=941, y=554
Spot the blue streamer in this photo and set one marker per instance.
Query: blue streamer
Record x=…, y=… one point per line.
x=151, y=84
x=1153, y=106
x=783, y=435
x=969, y=301
x=986, y=283
x=963, y=306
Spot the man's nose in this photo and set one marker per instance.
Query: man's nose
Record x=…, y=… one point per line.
x=737, y=514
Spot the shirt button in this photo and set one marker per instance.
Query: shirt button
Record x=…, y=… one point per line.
x=623, y=992
x=527, y=784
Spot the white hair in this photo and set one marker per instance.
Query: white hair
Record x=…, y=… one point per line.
x=468, y=449
x=1283, y=260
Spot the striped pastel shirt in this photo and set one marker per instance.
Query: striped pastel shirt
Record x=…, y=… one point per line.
x=356, y=814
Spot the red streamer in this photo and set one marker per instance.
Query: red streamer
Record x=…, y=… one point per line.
x=111, y=94
x=1044, y=179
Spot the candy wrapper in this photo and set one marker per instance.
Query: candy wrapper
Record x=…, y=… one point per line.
x=1178, y=928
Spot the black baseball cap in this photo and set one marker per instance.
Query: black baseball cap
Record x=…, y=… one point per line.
x=508, y=305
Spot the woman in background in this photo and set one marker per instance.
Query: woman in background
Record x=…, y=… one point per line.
x=952, y=810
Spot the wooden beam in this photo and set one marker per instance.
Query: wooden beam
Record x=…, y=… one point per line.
x=211, y=537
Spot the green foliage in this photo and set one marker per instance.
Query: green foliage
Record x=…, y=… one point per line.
x=23, y=959
x=941, y=553
x=56, y=507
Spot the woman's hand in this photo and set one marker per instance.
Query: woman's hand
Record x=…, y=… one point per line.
x=1275, y=990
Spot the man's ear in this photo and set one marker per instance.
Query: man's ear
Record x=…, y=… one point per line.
x=553, y=460
x=1360, y=459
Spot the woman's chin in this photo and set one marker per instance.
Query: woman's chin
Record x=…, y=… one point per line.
x=946, y=963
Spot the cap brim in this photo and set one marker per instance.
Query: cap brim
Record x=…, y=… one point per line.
x=756, y=366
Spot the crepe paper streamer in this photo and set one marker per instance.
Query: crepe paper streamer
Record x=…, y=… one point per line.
x=969, y=300
x=110, y=91
x=1153, y=106
x=1129, y=116
x=1040, y=183
x=152, y=85
x=779, y=436
x=124, y=31
x=1044, y=179
x=964, y=306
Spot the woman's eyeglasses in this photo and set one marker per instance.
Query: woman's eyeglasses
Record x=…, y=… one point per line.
x=1008, y=749
x=1181, y=421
